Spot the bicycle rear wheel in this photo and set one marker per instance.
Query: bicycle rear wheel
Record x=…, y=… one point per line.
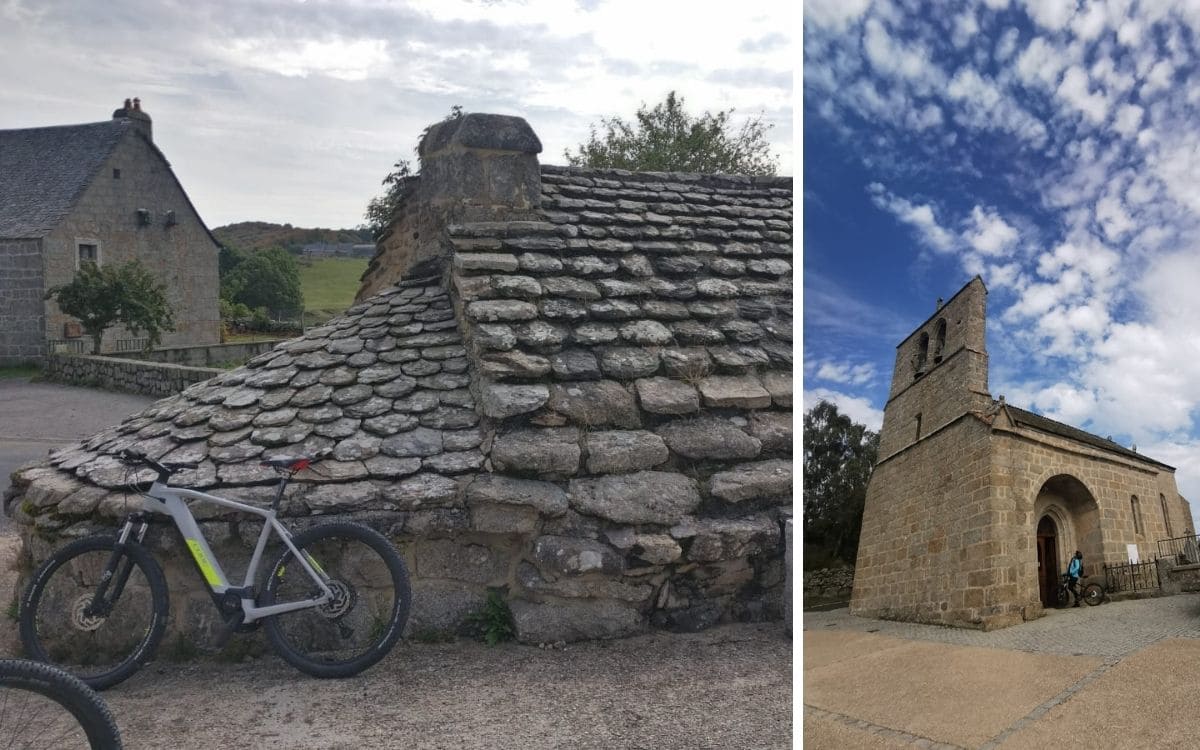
x=367, y=614
x=1093, y=594
x=102, y=645
x=41, y=706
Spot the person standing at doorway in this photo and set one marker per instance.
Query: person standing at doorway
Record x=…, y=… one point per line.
x=1074, y=571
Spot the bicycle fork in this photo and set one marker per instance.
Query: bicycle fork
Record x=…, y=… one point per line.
x=116, y=572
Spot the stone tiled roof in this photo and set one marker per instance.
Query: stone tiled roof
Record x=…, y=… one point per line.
x=384, y=387
x=632, y=276
x=1044, y=424
x=43, y=171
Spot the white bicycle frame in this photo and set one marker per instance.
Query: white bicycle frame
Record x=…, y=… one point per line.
x=169, y=500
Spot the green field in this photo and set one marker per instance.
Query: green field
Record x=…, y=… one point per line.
x=329, y=285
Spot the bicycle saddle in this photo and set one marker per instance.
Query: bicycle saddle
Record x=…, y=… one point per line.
x=288, y=463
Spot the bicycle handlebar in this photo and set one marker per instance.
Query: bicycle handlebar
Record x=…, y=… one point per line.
x=164, y=469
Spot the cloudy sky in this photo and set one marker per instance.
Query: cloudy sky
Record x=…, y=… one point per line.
x=294, y=111
x=1050, y=146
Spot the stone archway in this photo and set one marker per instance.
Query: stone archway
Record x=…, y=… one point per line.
x=1066, y=510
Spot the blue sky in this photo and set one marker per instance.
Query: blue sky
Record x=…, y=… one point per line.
x=1050, y=146
x=294, y=110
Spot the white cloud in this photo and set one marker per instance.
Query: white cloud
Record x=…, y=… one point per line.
x=1091, y=22
x=1007, y=45
x=891, y=58
x=985, y=106
x=845, y=373
x=835, y=14
x=1128, y=120
x=1114, y=220
x=1159, y=78
x=348, y=60
x=1075, y=91
x=965, y=27
x=1041, y=63
x=989, y=234
x=1050, y=14
x=918, y=216
x=857, y=408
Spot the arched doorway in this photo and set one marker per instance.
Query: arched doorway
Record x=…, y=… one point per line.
x=1047, y=552
x=1066, y=518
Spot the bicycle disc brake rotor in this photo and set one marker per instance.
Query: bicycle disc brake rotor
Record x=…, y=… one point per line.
x=344, y=598
x=79, y=617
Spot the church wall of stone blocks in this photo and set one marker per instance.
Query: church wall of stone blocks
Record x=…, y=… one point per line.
x=976, y=506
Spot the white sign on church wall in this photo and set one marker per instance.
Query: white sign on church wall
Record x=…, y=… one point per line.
x=1133, y=553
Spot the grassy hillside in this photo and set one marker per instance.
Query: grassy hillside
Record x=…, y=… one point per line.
x=329, y=285
x=259, y=235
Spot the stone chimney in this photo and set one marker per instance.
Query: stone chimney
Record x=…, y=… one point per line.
x=131, y=112
x=478, y=167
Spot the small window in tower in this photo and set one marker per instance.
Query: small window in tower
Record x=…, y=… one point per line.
x=939, y=342
x=1162, y=499
x=1136, y=511
x=918, y=427
x=116, y=174
x=922, y=354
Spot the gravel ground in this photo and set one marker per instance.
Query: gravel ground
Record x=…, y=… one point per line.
x=730, y=686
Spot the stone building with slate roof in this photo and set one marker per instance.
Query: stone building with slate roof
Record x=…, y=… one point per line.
x=975, y=507
x=99, y=192
x=570, y=385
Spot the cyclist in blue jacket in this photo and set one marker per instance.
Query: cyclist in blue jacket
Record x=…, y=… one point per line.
x=1074, y=571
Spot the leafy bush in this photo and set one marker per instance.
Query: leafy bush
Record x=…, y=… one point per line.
x=494, y=621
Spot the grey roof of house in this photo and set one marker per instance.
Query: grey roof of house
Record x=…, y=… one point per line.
x=43, y=171
x=1044, y=424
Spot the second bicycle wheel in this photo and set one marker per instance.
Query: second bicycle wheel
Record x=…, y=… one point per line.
x=42, y=706
x=1093, y=594
x=371, y=598
x=101, y=642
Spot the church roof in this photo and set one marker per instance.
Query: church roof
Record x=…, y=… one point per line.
x=43, y=171
x=1044, y=424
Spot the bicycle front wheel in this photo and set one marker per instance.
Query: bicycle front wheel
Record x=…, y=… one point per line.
x=1062, y=597
x=1093, y=594
x=102, y=639
x=41, y=706
x=371, y=599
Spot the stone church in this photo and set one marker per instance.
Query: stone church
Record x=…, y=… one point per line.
x=571, y=386
x=976, y=506
x=103, y=193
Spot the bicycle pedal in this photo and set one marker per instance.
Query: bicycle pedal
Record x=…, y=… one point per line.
x=229, y=628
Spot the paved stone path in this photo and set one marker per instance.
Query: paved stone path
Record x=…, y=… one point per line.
x=878, y=684
x=1112, y=629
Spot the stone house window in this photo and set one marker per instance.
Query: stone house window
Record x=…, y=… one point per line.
x=1162, y=499
x=939, y=341
x=116, y=174
x=918, y=427
x=1137, y=515
x=922, y=354
x=87, y=251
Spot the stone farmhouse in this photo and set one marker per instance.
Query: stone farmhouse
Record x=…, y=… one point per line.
x=975, y=506
x=572, y=386
x=102, y=193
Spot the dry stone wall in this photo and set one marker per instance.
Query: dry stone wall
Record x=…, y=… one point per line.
x=22, y=312
x=129, y=375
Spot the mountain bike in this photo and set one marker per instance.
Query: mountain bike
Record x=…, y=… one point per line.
x=333, y=604
x=1092, y=593
x=41, y=706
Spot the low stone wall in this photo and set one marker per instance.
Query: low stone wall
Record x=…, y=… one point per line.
x=1176, y=579
x=129, y=375
x=207, y=355
x=827, y=585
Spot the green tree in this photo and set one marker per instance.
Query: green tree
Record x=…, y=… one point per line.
x=128, y=294
x=665, y=138
x=839, y=455
x=380, y=208
x=269, y=278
